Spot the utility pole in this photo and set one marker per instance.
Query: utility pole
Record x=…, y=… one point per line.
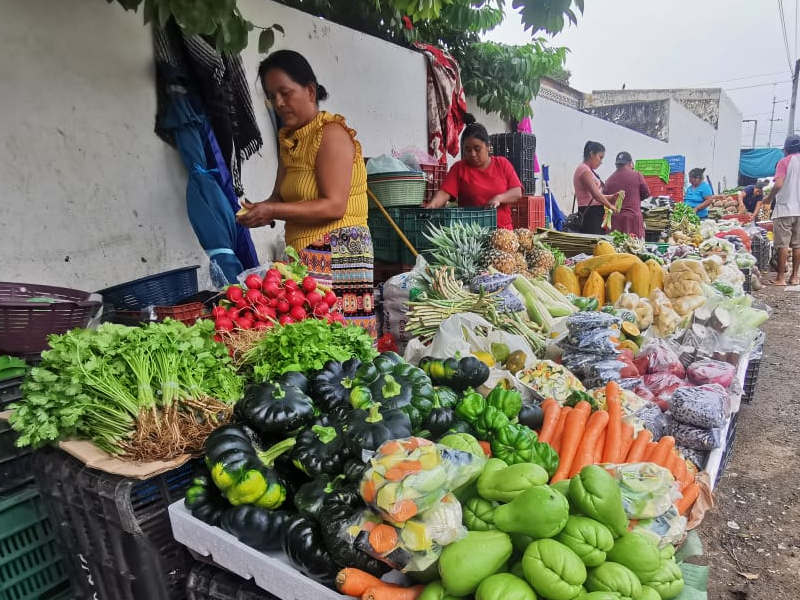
x=772, y=120
x=755, y=129
x=790, y=129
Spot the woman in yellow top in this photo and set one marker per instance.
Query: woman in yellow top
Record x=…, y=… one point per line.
x=320, y=189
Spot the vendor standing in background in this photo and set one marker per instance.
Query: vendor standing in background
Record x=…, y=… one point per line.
x=588, y=189
x=629, y=219
x=750, y=199
x=786, y=213
x=480, y=179
x=320, y=188
x=699, y=194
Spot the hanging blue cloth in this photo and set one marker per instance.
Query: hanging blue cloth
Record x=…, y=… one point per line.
x=759, y=162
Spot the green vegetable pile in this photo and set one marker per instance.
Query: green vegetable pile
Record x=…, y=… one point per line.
x=306, y=346
x=148, y=393
x=683, y=218
x=625, y=242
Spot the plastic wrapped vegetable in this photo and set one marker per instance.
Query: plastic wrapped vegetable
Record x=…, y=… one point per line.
x=409, y=476
x=659, y=356
x=551, y=380
x=697, y=438
x=705, y=406
x=711, y=371
x=647, y=489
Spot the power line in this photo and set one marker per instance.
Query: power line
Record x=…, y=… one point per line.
x=742, y=78
x=747, y=87
x=785, y=37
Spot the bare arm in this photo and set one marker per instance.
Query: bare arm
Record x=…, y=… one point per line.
x=588, y=179
x=439, y=200
x=776, y=187
x=508, y=197
x=334, y=172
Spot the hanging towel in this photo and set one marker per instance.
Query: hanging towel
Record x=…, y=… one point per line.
x=446, y=103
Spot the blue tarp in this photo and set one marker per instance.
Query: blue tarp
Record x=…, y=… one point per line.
x=759, y=162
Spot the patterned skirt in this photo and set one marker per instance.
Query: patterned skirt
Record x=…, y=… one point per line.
x=343, y=261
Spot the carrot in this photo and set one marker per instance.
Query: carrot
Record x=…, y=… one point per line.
x=551, y=410
x=598, y=449
x=673, y=463
x=390, y=447
x=354, y=582
x=639, y=445
x=393, y=592
x=648, y=452
x=690, y=494
x=574, y=427
x=595, y=430
x=627, y=441
x=368, y=491
x=614, y=431
x=403, y=469
x=487, y=448
x=403, y=510
x=383, y=538
x=562, y=421
x=662, y=450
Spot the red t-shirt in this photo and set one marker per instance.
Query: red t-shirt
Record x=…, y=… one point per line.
x=475, y=187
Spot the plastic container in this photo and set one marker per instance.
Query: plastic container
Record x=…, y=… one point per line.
x=434, y=176
x=185, y=313
x=727, y=448
x=16, y=464
x=162, y=289
x=116, y=529
x=30, y=312
x=31, y=567
x=528, y=213
x=519, y=149
x=206, y=582
x=398, y=189
x=676, y=162
x=751, y=374
x=657, y=167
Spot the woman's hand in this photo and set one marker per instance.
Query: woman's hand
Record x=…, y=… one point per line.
x=258, y=214
x=494, y=202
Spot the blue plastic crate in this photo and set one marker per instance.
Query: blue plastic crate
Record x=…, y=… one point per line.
x=677, y=163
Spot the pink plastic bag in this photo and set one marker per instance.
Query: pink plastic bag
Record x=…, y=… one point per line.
x=711, y=371
x=663, y=385
x=659, y=356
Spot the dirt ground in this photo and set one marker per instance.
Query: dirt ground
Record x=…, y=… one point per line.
x=752, y=535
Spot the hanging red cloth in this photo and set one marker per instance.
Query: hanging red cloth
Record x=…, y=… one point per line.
x=446, y=102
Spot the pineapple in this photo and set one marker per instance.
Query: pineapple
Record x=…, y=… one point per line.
x=525, y=239
x=540, y=260
x=462, y=247
x=504, y=240
x=505, y=262
x=522, y=263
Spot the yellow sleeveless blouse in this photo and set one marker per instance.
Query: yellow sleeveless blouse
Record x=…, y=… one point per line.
x=298, y=154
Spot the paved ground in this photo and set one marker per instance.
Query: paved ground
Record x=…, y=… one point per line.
x=752, y=535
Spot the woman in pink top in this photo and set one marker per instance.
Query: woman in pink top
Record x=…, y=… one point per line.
x=479, y=179
x=588, y=189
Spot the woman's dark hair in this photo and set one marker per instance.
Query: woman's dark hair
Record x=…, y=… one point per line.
x=295, y=66
x=474, y=130
x=697, y=172
x=592, y=148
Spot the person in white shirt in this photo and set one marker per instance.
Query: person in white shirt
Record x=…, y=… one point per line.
x=786, y=214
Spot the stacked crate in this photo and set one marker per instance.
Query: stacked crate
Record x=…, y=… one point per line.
x=519, y=149
x=528, y=213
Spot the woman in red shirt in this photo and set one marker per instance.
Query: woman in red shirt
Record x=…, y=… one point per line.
x=479, y=179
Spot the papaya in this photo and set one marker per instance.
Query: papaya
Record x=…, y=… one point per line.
x=656, y=274
x=561, y=288
x=638, y=275
x=615, y=286
x=602, y=248
x=566, y=276
x=595, y=287
x=606, y=264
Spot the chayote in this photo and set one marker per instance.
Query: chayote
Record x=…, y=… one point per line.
x=553, y=570
x=648, y=593
x=667, y=580
x=595, y=494
x=504, y=586
x=436, y=591
x=614, y=577
x=503, y=483
x=464, y=564
x=540, y=512
x=638, y=553
x=589, y=539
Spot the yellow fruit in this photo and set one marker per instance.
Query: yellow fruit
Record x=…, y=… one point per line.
x=484, y=357
x=595, y=286
x=606, y=264
x=630, y=329
x=602, y=248
x=639, y=277
x=615, y=286
x=656, y=275
x=561, y=288
x=566, y=276
x=630, y=345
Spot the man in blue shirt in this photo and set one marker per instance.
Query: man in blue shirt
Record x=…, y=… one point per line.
x=750, y=199
x=699, y=194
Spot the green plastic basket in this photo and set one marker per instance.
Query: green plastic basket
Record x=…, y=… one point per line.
x=405, y=190
x=657, y=167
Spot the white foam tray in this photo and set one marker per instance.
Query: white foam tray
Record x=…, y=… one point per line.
x=270, y=571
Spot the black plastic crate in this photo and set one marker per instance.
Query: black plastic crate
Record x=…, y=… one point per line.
x=751, y=374
x=727, y=450
x=206, y=582
x=161, y=289
x=16, y=464
x=117, y=529
x=10, y=391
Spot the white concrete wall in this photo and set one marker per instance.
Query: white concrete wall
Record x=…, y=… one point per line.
x=728, y=143
x=90, y=196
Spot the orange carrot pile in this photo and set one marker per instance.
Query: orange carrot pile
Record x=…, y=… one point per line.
x=360, y=584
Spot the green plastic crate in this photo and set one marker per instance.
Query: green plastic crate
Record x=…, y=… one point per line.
x=30, y=564
x=657, y=167
x=415, y=222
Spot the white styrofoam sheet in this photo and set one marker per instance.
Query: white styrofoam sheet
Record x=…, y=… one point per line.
x=270, y=571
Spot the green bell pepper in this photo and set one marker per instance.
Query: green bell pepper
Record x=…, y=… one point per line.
x=546, y=457
x=478, y=514
x=508, y=401
x=595, y=494
x=471, y=406
x=436, y=591
x=489, y=422
x=513, y=444
x=585, y=304
x=502, y=483
x=504, y=586
x=540, y=512
x=464, y=564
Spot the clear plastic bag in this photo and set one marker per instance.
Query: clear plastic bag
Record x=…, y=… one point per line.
x=653, y=419
x=660, y=356
x=697, y=438
x=663, y=385
x=668, y=528
x=385, y=164
x=711, y=371
x=409, y=476
x=602, y=340
x=580, y=321
x=648, y=490
x=698, y=458
x=704, y=406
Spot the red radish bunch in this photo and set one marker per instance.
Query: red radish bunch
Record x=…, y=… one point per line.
x=263, y=302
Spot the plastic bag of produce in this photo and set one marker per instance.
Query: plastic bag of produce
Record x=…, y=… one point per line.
x=704, y=406
x=711, y=371
x=648, y=490
x=551, y=380
x=395, y=295
x=651, y=418
x=582, y=321
x=697, y=438
x=413, y=545
x=663, y=385
x=601, y=340
x=638, y=387
x=660, y=356
x=698, y=458
x=667, y=528
x=409, y=476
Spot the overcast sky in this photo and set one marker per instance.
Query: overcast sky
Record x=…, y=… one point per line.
x=734, y=44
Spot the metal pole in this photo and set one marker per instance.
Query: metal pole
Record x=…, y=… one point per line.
x=790, y=129
x=771, y=122
x=755, y=129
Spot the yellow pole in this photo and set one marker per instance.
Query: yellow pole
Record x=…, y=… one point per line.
x=410, y=246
